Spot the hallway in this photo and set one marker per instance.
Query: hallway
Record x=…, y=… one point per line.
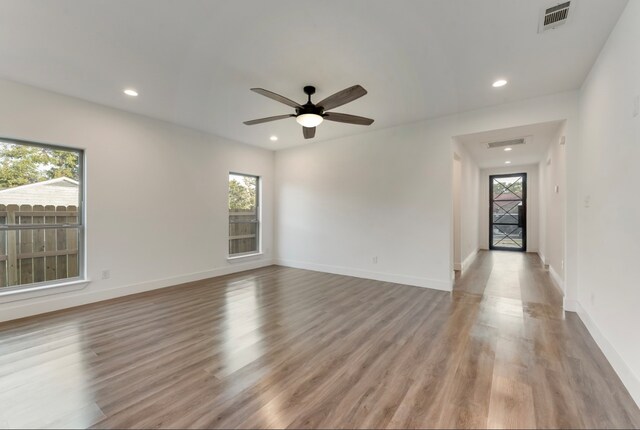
x=547, y=371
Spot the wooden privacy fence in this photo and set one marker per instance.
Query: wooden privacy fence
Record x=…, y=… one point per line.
x=33, y=254
x=243, y=231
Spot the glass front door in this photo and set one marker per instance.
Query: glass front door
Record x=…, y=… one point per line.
x=508, y=212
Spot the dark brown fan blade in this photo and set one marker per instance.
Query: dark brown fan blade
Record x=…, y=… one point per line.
x=270, y=118
x=342, y=97
x=309, y=132
x=349, y=119
x=276, y=97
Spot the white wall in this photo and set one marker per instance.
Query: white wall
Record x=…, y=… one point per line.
x=469, y=200
x=388, y=194
x=156, y=194
x=533, y=212
x=609, y=245
x=542, y=211
x=343, y=202
x=552, y=207
x=457, y=239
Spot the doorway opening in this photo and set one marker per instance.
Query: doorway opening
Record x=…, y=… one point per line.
x=508, y=212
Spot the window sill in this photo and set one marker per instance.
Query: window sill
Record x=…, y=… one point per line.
x=35, y=291
x=244, y=256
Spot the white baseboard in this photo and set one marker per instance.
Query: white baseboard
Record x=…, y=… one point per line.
x=26, y=308
x=630, y=380
x=543, y=259
x=469, y=260
x=557, y=280
x=377, y=276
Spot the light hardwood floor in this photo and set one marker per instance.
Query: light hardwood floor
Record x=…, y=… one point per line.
x=280, y=347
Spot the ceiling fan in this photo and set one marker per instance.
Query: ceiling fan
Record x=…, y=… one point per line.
x=309, y=115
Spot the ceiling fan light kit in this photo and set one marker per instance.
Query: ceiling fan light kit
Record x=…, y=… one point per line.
x=310, y=115
x=309, y=119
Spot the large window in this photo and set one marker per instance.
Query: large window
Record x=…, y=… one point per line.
x=244, y=214
x=41, y=223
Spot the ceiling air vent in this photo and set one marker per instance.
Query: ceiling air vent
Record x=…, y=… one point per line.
x=554, y=16
x=504, y=143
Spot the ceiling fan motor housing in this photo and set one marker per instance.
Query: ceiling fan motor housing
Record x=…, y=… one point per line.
x=308, y=107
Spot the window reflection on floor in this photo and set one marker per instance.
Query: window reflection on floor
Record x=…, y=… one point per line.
x=243, y=327
x=56, y=392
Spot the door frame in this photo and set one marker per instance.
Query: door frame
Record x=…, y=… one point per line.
x=524, y=221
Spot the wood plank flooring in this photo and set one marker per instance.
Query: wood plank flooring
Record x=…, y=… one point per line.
x=280, y=347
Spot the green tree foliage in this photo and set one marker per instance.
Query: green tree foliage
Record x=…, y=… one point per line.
x=242, y=193
x=499, y=188
x=21, y=164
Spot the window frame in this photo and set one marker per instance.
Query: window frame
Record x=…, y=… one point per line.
x=80, y=226
x=258, y=218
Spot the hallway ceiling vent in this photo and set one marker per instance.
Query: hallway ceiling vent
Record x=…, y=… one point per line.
x=554, y=16
x=504, y=143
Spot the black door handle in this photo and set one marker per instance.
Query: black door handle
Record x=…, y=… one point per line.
x=521, y=216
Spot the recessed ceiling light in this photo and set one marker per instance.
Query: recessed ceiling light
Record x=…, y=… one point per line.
x=508, y=148
x=131, y=92
x=273, y=138
x=507, y=162
x=499, y=83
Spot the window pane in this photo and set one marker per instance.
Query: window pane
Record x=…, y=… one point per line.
x=507, y=236
x=507, y=188
x=39, y=185
x=506, y=212
x=38, y=255
x=243, y=214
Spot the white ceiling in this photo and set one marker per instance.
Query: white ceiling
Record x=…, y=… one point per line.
x=537, y=137
x=193, y=62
